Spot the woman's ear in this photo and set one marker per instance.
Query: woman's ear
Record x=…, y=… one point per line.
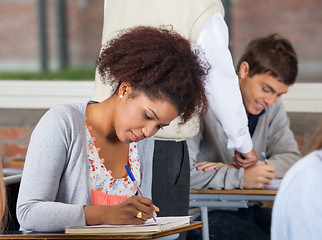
x=125, y=90
x=243, y=70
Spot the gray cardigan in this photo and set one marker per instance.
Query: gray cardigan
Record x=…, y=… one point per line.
x=272, y=136
x=54, y=185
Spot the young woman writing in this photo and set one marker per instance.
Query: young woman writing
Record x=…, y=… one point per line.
x=74, y=170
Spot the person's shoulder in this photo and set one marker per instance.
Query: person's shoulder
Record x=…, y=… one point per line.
x=65, y=113
x=68, y=109
x=302, y=181
x=71, y=107
x=308, y=167
x=311, y=161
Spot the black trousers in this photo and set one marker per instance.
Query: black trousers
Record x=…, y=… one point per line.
x=171, y=178
x=253, y=223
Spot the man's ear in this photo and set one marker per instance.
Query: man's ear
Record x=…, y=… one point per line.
x=243, y=70
x=125, y=89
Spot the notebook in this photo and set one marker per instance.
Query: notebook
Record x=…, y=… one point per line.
x=274, y=184
x=150, y=226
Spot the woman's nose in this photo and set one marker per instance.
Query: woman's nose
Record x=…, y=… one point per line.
x=149, y=131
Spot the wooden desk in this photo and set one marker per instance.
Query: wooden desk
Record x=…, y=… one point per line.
x=235, y=198
x=46, y=236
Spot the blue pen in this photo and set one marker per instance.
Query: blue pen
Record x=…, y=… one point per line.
x=129, y=172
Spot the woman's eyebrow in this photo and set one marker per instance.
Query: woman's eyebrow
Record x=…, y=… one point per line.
x=156, y=116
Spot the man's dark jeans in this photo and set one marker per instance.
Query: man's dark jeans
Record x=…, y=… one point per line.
x=251, y=223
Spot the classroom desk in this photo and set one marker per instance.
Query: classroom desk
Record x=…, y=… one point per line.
x=12, y=179
x=169, y=234
x=235, y=198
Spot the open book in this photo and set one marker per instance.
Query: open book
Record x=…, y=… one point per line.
x=150, y=226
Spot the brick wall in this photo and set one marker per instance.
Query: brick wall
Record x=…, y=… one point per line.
x=18, y=29
x=297, y=20
x=16, y=126
x=19, y=33
x=13, y=144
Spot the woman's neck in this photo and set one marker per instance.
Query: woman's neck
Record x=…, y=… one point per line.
x=100, y=116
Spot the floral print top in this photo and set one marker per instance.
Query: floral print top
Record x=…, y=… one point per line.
x=102, y=180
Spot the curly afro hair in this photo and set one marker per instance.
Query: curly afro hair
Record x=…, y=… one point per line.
x=160, y=63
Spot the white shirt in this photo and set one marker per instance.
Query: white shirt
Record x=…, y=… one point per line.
x=222, y=84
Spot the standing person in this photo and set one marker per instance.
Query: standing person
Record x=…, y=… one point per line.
x=297, y=210
x=202, y=23
x=3, y=202
x=266, y=70
x=74, y=172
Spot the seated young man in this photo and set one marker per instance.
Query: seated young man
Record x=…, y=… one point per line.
x=266, y=70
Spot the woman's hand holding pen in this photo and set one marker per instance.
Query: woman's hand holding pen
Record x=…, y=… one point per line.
x=128, y=211
x=135, y=210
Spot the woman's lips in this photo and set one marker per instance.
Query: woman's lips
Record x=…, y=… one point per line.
x=135, y=138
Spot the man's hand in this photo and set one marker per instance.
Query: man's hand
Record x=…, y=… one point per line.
x=245, y=160
x=258, y=176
